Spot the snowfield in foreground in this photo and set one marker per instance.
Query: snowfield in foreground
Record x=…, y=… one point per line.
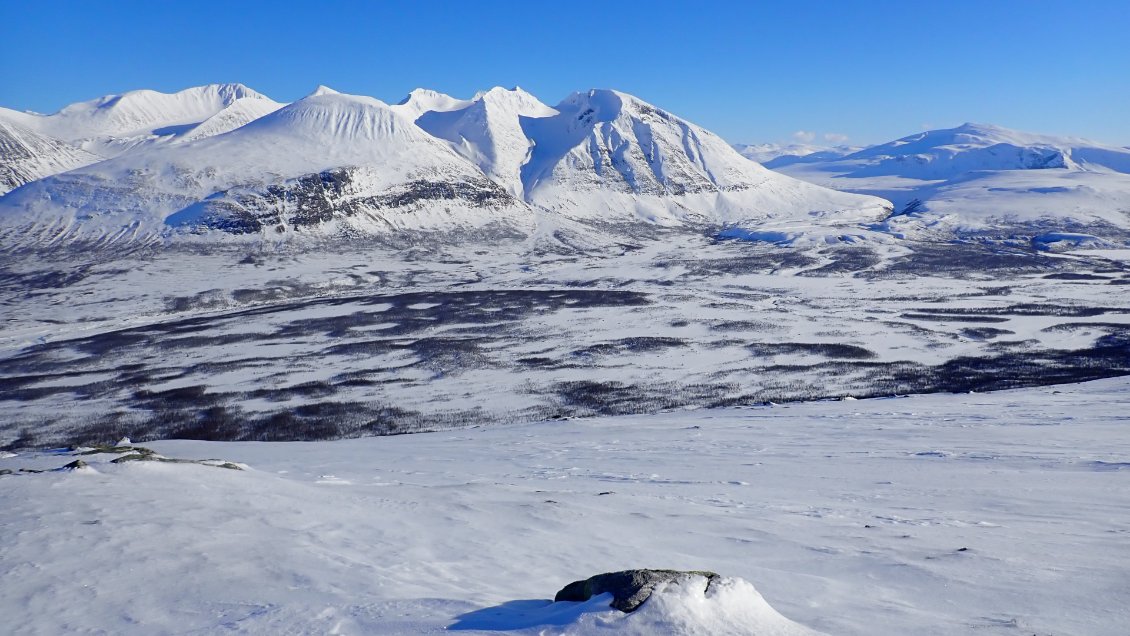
x=1002, y=513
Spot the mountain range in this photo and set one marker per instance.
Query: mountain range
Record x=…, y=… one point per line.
x=792, y=153
x=225, y=158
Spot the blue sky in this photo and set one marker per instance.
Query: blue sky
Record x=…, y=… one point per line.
x=750, y=71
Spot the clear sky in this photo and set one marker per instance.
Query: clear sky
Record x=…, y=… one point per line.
x=751, y=71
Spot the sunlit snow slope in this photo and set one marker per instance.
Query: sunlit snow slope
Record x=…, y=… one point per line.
x=27, y=156
x=113, y=124
x=322, y=160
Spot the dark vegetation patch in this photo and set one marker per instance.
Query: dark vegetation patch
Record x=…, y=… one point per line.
x=584, y=398
x=743, y=325
x=749, y=259
x=845, y=261
x=984, y=333
x=138, y=363
x=952, y=318
x=1074, y=276
x=642, y=344
x=823, y=349
x=41, y=280
x=1029, y=309
x=1011, y=365
x=1109, y=327
x=963, y=259
x=309, y=422
x=479, y=329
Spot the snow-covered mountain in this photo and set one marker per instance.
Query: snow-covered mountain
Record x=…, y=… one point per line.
x=322, y=160
x=27, y=156
x=939, y=154
x=242, y=111
x=340, y=163
x=985, y=179
x=111, y=125
x=487, y=130
x=34, y=146
x=609, y=157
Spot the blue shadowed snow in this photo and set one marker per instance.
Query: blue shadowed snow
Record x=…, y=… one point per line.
x=531, y=613
x=1054, y=240
x=755, y=236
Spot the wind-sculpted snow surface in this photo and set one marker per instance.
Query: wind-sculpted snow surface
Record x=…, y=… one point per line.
x=995, y=514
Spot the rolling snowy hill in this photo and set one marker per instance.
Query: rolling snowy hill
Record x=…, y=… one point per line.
x=225, y=158
x=989, y=182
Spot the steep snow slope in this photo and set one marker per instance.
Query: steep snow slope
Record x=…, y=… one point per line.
x=985, y=179
x=242, y=111
x=608, y=156
x=26, y=155
x=487, y=130
x=320, y=160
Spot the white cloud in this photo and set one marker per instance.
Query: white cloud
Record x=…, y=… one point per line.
x=835, y=138
x=804, y=136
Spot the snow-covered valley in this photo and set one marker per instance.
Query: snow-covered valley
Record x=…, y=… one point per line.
x=300, y=344
x=617, y=341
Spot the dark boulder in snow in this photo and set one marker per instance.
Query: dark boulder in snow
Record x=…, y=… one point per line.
x=629, y=588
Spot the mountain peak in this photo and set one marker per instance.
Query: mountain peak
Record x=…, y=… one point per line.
x=423, y=100
x=134, y=116
x=322, y=89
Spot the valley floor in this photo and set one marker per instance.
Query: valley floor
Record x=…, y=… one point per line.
x=238, y=343
x=1002, y=513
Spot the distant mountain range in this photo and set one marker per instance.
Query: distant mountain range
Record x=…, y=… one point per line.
x=986, y=181
x=223, y=160
x=792, y=153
